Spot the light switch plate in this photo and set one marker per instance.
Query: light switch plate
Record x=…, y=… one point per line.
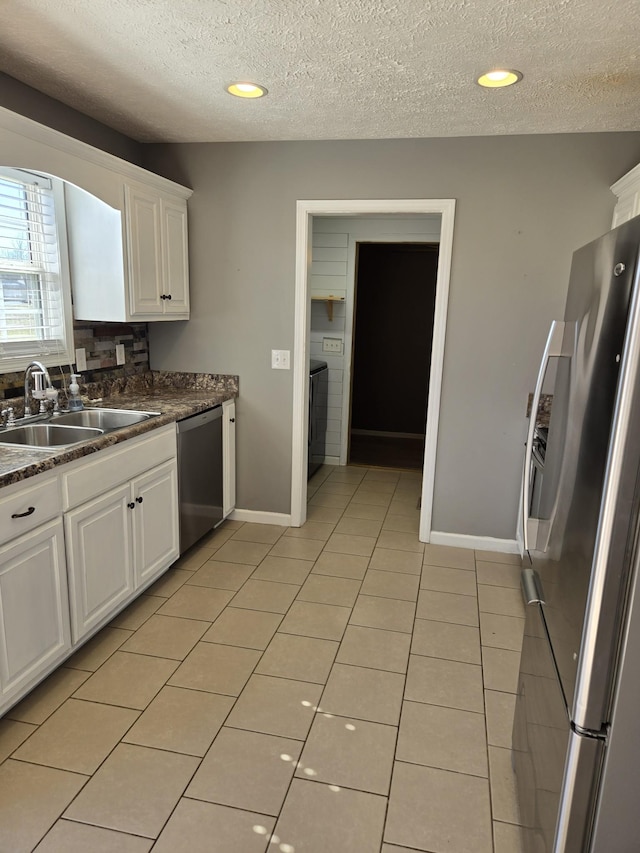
x=119, y=353
x=280, y=359
x=81, y=359
x=332, y=345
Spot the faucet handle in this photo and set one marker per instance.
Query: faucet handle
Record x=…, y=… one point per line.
x=8, y=417
x=51, y=396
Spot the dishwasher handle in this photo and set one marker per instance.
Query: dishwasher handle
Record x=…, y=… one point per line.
x=202, y=418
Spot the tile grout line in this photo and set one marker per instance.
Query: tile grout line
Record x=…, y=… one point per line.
x=319, y=704
x=317, y=710
x=486, y=724
x=232, y=707
x=403, y=700
x=324, y=688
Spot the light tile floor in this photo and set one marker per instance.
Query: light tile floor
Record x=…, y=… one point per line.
x=337, y=688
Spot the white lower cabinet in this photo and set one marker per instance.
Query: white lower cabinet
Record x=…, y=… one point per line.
x=34, y=610
x=155, y=521
x=100, y=559
x=118, y=542
x=61, y=580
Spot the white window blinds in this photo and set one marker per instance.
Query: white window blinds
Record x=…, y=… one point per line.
x=34, y=288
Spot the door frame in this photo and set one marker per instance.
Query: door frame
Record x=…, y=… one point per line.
x=305, y=210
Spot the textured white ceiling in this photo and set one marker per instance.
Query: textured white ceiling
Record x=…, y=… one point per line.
x=335, y=69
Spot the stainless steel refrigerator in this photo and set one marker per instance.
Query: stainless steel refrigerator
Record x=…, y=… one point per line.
x=576, y=737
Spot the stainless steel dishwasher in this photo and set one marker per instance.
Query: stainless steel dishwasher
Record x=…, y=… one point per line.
x=199, y=475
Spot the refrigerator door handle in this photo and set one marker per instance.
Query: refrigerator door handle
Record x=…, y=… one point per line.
x=531, y=587
x=535, y=531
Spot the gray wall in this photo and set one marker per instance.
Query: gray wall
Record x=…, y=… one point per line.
x=523, y=205
x=29, y=102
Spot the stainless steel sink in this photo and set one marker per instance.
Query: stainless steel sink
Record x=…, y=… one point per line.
x=104, y=419
x=47, y=435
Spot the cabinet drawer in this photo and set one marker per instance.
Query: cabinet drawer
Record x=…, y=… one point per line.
x=89, y=478
x=27, y=507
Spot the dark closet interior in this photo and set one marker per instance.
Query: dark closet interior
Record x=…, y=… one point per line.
x=392, y=337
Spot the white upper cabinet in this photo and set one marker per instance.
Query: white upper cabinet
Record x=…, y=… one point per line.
x=175, y=258
x=627, y=189
x=126, y=227
x=129, y=265
x=157, y=255
x=144, y=239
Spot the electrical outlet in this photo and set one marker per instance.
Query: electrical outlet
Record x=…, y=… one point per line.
x=280, y=359
x=119, y=353
x=81, y=360
x=332, y=345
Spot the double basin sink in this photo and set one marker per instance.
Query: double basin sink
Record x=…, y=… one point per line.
x=69, y=428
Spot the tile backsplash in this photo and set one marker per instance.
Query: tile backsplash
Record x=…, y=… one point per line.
x=99, y=340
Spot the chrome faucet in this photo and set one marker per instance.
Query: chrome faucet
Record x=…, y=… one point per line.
x=28, y=372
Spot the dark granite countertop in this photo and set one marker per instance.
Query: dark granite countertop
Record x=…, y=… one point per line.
x=174, y=395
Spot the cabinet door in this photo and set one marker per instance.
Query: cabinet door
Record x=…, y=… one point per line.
x=99, y=556
x=175, y=261
x=34, y=609
x=228, y=457
x=155, y=521
x=144, y=235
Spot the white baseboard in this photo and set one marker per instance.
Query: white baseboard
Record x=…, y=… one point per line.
x=479, y=543
x=258, y=517
x=456, y=540
x=331, y=460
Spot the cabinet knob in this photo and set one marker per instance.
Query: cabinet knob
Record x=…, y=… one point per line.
x=131, y=505
x=166, y=296
x=232, y=420
x=138, y=500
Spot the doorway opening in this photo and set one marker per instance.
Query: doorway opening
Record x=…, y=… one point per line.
x=395, y=297
x=306, y=211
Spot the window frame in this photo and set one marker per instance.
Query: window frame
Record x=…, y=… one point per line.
x=15, y=356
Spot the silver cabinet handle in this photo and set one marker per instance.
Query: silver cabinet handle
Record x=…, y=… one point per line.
x=554, y=348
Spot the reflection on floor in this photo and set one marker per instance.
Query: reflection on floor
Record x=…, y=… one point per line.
x=337, y=688
x=386, y=451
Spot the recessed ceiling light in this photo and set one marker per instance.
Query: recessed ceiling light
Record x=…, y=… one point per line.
x=246, y=90
x=499, y=78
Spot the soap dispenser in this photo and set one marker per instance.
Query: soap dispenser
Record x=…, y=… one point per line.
x=75, y=400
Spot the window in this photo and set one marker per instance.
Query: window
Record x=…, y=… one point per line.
x=35, y=293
